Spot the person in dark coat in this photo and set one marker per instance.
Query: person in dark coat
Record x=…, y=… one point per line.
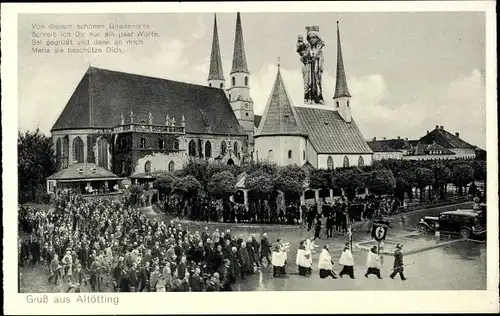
x=329, y=225
x=199, y=254
x=317, y=228
x=196, y=281
x=124, y=281
x=226, y=277
x=265, y=250
x=398, y=263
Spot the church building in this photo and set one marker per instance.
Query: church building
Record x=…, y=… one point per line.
x=131, y=124
x=324, y=136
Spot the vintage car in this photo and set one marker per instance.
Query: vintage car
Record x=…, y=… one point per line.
x=466, y=223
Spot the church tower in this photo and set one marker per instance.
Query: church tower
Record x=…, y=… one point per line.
x=239, y=91
x=215, y=73
x=342, y=96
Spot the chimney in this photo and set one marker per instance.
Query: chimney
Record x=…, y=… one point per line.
x=437, y=126
x=457, y=134
x=427, y=131
x=406, y=138
x=385, y=138
x=374, y=138
x=441, y=127
x=399, y=137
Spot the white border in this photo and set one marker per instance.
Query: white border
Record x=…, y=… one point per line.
x=251, y=302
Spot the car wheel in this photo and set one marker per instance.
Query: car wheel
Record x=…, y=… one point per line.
x=465, y=233
x=423, y=228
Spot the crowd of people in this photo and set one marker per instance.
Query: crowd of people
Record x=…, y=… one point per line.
x=101, y=245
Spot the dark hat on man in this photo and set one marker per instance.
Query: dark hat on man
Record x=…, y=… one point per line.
x=399, y=246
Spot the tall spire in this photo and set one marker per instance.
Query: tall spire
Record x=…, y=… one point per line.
x=341, y=83
x=215, y=71
x=279, y=116
x=239, y=57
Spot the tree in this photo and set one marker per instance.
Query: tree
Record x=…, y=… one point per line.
x=424, y=178
x=479, y=170
x=260, y=185
x=349, y=179
x=442, y=175
x=165, y=185
x=264, y=166
x=197, y=168
x=187, y=187
x=289, y=180
x=222, y=185
x=462, y=175
x=35, y=162
x=380, y=181
x=320, y=179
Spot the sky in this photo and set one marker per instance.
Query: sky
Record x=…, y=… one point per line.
x=407, y=72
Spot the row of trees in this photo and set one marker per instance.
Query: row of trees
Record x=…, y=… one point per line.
x=266, y=181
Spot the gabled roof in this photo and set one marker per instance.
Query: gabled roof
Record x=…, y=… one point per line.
x=380, y=146
x=445, y=139
x=279, y=116
x=103, y=95
x=430, y=149
x=398, y=144
x=330, y=134
x=239, y=56
x=83, y=171
x=215, y=71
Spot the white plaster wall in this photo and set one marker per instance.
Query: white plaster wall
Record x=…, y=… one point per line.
x=338, y=160
x=464, y=152
x=311, y=155
x=280, y=145
x=160, y=161
x=387, y=155
x=430, y=157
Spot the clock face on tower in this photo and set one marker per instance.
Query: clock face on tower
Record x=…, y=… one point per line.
x=247, y=106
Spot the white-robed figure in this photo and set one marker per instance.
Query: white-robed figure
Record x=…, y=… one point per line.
x=347, y=261
x=325, y=264
x=311, y=247
x=279, y=258
x=303, y=259
x=373, y=263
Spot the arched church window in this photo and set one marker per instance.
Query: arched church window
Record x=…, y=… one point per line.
x=102, y=153
x=289, y=154
x=337, y=103
x=210, y=85
x=208, y=149
x=233, y=81
x=361, y=161
x=65, y=152
x=223, y=148
x=147, y=167
x=78, y=150
x=192, y=148
x=347, y=103
x=271, y=154
x=303, y=155
x=161, y=143
x=346, y=162
x=246, y=81
x=58, y=153
x=171, y=166
x=329, y=163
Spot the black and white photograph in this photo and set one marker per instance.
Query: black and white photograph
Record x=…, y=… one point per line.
x=249, y=149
